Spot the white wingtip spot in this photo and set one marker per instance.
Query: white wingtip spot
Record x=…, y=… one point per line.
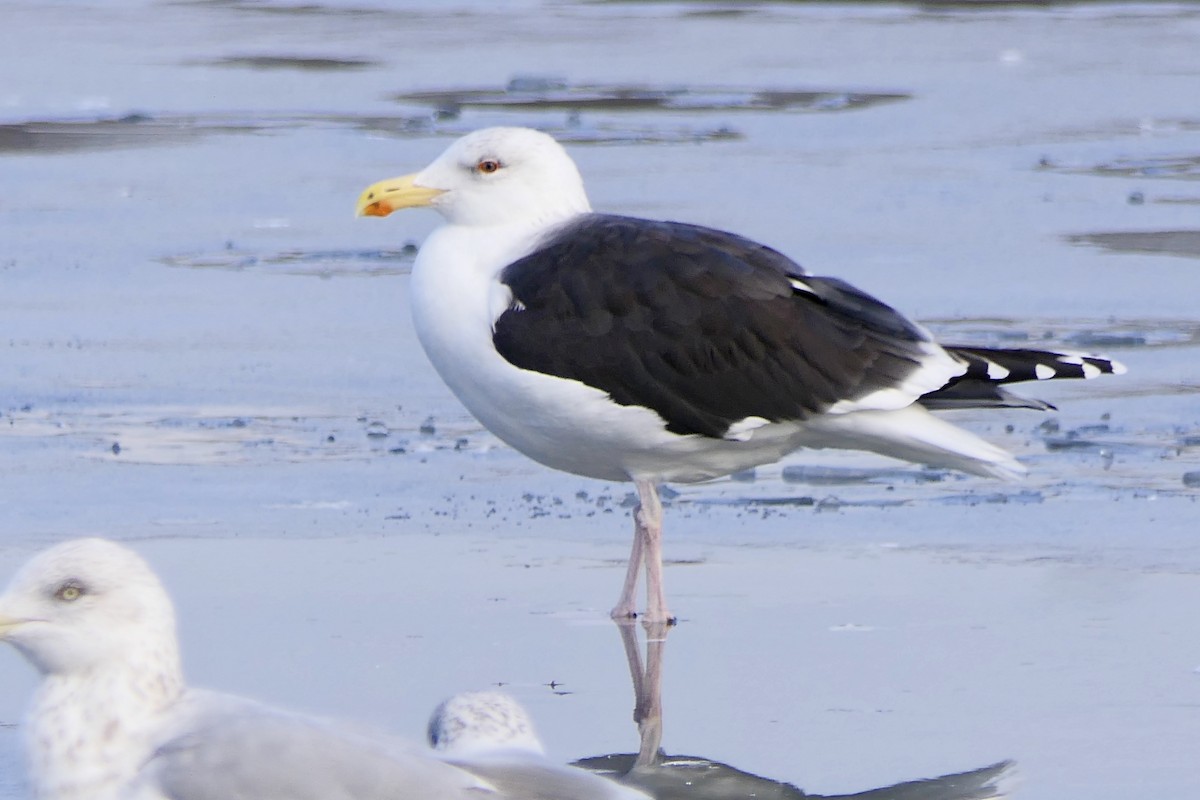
x=996, y=372
x=1091, y=371
x=1118, y=368
x=1044, y=373
x=801, y=286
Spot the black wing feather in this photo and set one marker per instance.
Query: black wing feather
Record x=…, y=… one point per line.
x=702, y=326
x=976, y=388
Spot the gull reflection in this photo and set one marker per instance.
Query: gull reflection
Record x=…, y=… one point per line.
x=667, y=777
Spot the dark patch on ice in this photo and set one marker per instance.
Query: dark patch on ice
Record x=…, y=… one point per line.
x=143, y=129
x=1107, y=339
x=297, y=9
x=574, y=131
x=1178, y=200
x=785, y=502
x=717, y=13
x=131, y=130
x=569, y=128
x=1073, y=441
x=966, y=5
x=799, y=501
x=1068, y=334
x=1186, y=167
x=1022, y=497
x=301, y=63
x=844, y=476
x=554, y=94
x=318, y=263
x=139, y=130
x=1107, y=442
x=1172, y=243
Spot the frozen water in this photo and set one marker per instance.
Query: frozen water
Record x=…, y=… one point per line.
x=178, y=374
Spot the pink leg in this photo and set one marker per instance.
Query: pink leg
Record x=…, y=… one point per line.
x=649, y=518
x=647, y=549
x=626, y=608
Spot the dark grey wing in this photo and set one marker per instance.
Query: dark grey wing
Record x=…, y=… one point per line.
x=704, y=327
x=682, y=777
x=228, y=751
x=989, y=368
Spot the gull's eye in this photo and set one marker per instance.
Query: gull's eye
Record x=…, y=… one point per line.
x=69, y=592
x=487, y=166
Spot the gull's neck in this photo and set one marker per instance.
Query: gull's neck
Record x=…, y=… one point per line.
x=485, y=249
x=89, y=732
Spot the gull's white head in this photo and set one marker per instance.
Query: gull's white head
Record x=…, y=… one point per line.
x=494, y=176
x=472, y=724
x=87, y=604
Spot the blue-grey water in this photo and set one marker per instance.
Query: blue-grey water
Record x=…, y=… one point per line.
x=203, y=352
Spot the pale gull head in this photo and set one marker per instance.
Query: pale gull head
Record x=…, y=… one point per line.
x=494, y=176
x=88, y=605
x=92, y=617
x=490, y=734
x=472, y=723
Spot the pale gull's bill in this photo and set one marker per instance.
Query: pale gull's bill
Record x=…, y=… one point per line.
x=640, y=350
x=112, y=718
x=490, y=734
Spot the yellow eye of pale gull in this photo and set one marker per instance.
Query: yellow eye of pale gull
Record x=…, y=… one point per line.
x=69, y=592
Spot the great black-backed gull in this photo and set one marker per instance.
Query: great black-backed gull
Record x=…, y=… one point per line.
x=639, y=350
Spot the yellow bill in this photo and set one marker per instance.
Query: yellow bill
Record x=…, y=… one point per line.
x=382, y=198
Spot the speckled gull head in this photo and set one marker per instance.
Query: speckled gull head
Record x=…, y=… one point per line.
x=494, y=176
x=87, y=604
x=491, y=735
x=92, y=617
x=471, y=724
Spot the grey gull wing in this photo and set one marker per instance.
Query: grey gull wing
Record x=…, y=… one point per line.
x=226, y=748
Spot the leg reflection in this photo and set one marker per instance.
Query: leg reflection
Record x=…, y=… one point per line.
x=647, y=687
x=679, y=777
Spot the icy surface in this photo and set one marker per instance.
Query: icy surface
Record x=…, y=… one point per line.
x=203, y=352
